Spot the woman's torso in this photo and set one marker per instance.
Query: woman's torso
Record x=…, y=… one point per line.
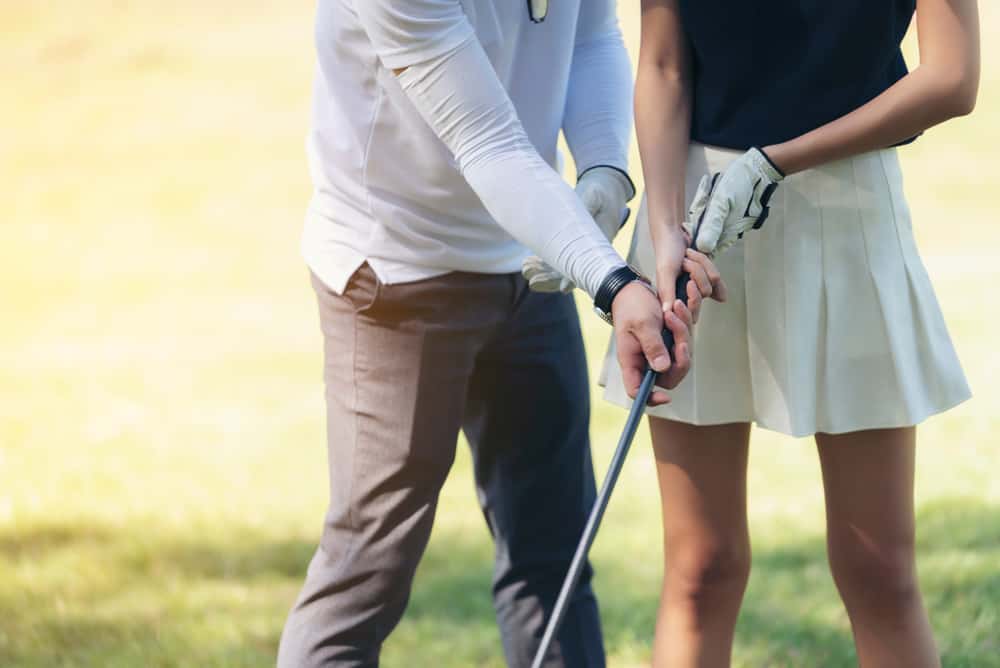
x=766, y=72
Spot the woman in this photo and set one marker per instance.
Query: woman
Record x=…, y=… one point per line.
x=831, y=327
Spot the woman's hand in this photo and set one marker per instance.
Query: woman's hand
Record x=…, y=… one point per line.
x=736, y=200
x=673, y=257
x=670, y=246
x=706, y=281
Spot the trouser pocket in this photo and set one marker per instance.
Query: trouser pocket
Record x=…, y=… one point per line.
x=360, y=293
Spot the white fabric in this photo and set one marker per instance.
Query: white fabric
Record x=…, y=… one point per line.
x=736, y=201
x=525, y=195
x=605, y=193
x=831, y=323
x=697, y=210
x=597, y=118
x=387, y=190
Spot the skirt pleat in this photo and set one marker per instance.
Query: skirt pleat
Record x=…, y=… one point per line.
x=832, y=324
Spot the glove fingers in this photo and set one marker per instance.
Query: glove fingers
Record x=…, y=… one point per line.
x=712, y=225
x=696, y=212
x=609, y=221
x=700, y=197
x=688, y=227
x=541, y=277
x=534, y=265
x=545, y=283
x=733, y=233
x=592, y=200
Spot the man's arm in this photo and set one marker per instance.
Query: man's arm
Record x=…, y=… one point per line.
x=448, y=77
x=445, y=73
x=597, y=121
x=598, y=118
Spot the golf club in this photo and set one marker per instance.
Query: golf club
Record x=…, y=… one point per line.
x=597, y=512
x=617, y=461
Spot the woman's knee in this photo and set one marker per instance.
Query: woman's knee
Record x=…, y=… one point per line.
x=702, y=572
x=876, y=571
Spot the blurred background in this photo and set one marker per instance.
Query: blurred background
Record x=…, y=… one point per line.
x=162, y=460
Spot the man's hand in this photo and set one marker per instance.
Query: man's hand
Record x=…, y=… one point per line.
x=737, y=203
x=639, y=322
x=605, y=193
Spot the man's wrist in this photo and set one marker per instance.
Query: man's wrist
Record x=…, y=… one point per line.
x=612, y=285
x=628, y=187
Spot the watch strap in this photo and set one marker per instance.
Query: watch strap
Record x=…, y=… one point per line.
x=612, y=285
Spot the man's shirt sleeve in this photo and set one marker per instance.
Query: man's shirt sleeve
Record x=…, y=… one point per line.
x=407, y=32
x=452, y=84
x=598, y=117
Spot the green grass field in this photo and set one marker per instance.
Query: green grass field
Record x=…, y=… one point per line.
x=162, y=463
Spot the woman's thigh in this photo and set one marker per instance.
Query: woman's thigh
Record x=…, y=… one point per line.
x=868, y=483
x=702, y=477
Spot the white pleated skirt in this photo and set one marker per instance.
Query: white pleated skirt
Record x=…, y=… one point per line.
x=831, y=325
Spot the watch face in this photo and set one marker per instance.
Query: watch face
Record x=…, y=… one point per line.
x=538, y=10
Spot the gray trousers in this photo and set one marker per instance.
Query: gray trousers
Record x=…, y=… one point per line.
x=406, y=367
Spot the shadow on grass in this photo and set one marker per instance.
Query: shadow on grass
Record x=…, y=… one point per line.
x=149, y=596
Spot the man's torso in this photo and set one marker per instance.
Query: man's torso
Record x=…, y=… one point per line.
x=386, y=189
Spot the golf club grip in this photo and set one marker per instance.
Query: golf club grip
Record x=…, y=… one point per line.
x=680, y=289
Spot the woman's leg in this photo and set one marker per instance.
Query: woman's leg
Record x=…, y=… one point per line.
x=868, y=481
x=702, y=475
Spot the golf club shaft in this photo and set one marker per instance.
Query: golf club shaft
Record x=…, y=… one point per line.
x=590, y=531
x=597, y=512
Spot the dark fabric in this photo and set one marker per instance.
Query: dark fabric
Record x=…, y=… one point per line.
x=407, y=366
x=527, y=420
x=766, y=72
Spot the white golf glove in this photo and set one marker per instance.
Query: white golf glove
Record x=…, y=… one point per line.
x=728, y=204
x=605, y=193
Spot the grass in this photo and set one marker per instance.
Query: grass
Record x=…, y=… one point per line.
x=162, y=468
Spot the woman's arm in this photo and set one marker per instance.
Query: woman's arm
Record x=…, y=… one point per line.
x=663, y=127
x=944, y=86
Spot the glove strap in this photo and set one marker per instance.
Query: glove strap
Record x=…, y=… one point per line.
x=629, y=186
x=768, y=166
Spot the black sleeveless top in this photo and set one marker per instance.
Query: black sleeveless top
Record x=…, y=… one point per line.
x=766, y=71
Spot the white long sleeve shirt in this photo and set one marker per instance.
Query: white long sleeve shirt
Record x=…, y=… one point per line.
x=450, y=166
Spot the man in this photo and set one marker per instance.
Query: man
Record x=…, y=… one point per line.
x=432, y=151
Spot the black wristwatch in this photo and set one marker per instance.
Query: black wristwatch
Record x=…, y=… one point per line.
x=612, y=285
